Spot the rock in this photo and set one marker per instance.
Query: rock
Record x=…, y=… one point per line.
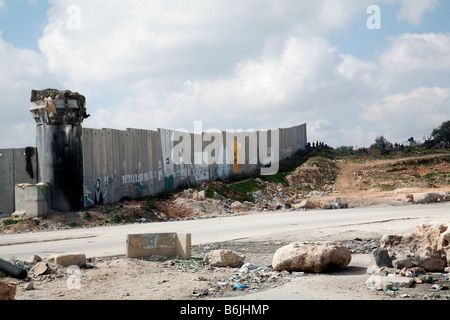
x=341, y=202
x=35, y=258
x=237, y=206
x=201, y=195
x=409, y=198
x=445, y=195
x=248, y=205
x=335, y=206
x=404, y=263
x=325, y=205
x=381, y=257
x=247, y=267
x=224, y=258
x=305, y=204
x=428, y=247
x=426, y=278
x=40, y=268
x=7, y=291
x=311, y=257
x=72, y=259
x=316, y=194
x=28, y=286
x=429, y=198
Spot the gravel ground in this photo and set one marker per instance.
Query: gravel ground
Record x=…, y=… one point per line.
x=162, y=278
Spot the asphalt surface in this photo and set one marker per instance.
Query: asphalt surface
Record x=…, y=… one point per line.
x=111, y=241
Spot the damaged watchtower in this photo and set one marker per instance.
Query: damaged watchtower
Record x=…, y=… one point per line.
x=58, y=116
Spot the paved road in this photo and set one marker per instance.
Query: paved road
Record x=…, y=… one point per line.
x=110, y=241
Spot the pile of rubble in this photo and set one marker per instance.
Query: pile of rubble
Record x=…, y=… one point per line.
x=316, y=174
x=404, y=261
x=247, y=276
x=275, y=196
x=40, y=270
x=250, y=277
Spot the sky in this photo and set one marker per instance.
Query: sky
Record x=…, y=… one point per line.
x=352, y=70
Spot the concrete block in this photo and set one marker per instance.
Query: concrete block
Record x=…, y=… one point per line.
x=19, y=195
x=164, y=244
x=70, y=259
x=37, y=192
x=183, y=245
x=35, y=208
x=33, y=199
x=18, y=214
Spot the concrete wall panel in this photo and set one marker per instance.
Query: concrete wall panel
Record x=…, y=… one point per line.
x=6, y=182
x=135, y=163
x=16, y=166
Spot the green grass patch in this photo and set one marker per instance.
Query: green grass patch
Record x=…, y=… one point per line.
x=279, y=177
x=9, y=222
x=150, y=205
x=387, y=187
x=74, y=225
x=247, y=186
x=209, y=193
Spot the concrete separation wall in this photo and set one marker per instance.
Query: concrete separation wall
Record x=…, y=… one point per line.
x=136, y=163
x=16, y=166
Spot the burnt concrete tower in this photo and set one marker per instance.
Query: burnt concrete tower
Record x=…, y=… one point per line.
x=58, y=116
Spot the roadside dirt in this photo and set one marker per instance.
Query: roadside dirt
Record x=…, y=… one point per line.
x=361, y=181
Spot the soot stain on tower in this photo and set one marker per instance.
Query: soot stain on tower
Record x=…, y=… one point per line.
x=58, y=116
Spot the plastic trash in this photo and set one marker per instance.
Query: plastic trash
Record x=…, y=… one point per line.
x=240, y=286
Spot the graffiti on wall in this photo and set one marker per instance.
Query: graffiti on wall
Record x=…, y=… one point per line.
x=168, y=163
x=237, y=157
x=97, y=194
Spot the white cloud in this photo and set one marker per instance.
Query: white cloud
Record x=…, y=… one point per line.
x=424, y=54
x=412, y=11
x=410, y=61
x=265, y=90
x=404, y=114
x=22, y=71
x=308, y=80
x=131, y=40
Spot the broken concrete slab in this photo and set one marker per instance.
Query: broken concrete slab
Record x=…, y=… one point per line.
x=163, y=244
x=40, y=268
x=70, y=259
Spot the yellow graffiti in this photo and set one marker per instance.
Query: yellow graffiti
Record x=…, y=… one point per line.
x=237, y=157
